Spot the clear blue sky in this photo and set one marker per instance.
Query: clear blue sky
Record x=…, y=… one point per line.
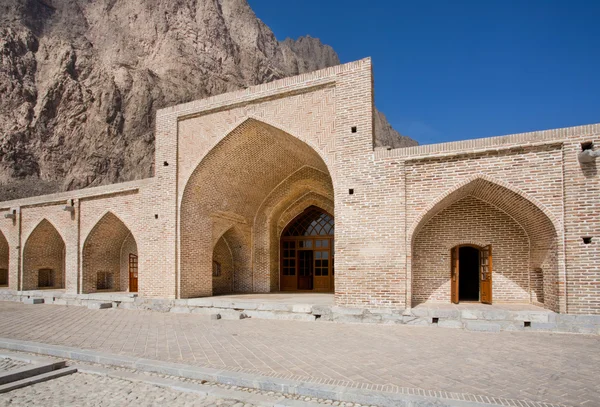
x=458, y=69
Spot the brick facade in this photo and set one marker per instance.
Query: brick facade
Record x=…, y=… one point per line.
x=233, y=170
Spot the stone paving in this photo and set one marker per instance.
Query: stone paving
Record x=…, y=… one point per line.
x=93, y=390
x=542, y=367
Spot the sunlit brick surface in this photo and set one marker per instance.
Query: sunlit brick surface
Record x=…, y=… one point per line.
x=232, y=170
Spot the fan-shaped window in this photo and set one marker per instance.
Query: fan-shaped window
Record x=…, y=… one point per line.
x=313, y=222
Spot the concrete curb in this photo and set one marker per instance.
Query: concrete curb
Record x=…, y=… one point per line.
x=5, y=388
x=403, y=397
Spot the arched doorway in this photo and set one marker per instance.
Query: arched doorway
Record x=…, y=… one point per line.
x=243, y=184
x=44, y=258
x=110, y=257
x=3, y=261
x=471, y=274
x=307, y=252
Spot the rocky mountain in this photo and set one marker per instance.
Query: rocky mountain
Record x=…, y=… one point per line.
x=80, y=81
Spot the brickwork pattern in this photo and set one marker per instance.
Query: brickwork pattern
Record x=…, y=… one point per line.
x=223, y=284
x=44, y=249
x=102, y=253
x=471, y=221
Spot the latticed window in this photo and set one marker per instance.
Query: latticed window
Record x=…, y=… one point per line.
x=216, y=269
x=313, y=222
x=104, y=280
x=3, y=277
x=45, y=278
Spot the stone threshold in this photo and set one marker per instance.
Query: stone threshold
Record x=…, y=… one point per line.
x=478, y=317
x=351, y=392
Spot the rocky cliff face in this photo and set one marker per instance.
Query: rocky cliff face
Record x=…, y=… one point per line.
x=81, y=80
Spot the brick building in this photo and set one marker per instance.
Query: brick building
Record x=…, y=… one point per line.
x=279, y=187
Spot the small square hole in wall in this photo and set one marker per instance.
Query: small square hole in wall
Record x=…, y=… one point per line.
x=588, y=145
x=586, y=240
x=527, y=324
x=353, y=128
x=166, y=164
x=156, y=216
x=351, y=191
x=435, y=320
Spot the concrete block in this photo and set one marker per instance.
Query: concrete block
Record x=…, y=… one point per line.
x=415, y=321
x=180, y=310
x=445, y=313
x=99, y=305
x=33, y=300
x=450, y=323
x=215, y=316
x=229, y=313
x=496, y=315
x=200, y=302
x=420, y=312
x=274, y=306
x=347, y=311
x=5, y=388
x=471, y=314
x=542, y=326
x=302, y=308
x=347, y=318
x=530, y=316
x=321, y=310
x=482, y=326
x=240, y=305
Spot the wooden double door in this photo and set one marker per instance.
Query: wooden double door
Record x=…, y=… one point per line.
x=473, y=265
x=307, y=264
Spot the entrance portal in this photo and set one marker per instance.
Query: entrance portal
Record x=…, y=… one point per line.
x=307, y=252
x=471, y=274
x=468, y=283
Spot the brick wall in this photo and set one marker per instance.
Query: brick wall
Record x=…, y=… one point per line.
x=44, y=249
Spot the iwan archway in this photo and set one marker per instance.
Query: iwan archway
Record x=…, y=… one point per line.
x=234, y=204
x=491, y=216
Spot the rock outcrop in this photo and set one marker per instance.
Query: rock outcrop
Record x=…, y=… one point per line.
x=81, y=81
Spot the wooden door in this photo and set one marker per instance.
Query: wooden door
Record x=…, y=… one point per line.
x=454, y=275
x=305, y=269
x=289, y=277
x=322, y=266
x=485, y=270
x=133, y=273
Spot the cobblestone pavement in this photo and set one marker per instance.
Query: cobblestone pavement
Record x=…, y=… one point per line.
x=543, y=367
x=82, y=389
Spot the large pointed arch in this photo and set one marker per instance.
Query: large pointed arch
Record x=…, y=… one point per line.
x=4, y=259
x=109, y=258
x=539, y=224
x=232, y=181
x=44, y=258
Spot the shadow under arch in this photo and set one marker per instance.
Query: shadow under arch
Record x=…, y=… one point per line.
x=232, y=181
x=538, y=223
x=44, y=258
x=109, y=256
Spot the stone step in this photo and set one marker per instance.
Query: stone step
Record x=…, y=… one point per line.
x=29, y=371
x=37, y=379
x=99, y=305
x=33, y=300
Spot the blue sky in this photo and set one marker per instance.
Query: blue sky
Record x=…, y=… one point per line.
x=455, y=70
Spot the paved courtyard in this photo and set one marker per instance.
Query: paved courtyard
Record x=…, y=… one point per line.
x=93, y=390
x=552, y=368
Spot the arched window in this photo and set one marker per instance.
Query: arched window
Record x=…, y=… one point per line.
x=313, y=222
